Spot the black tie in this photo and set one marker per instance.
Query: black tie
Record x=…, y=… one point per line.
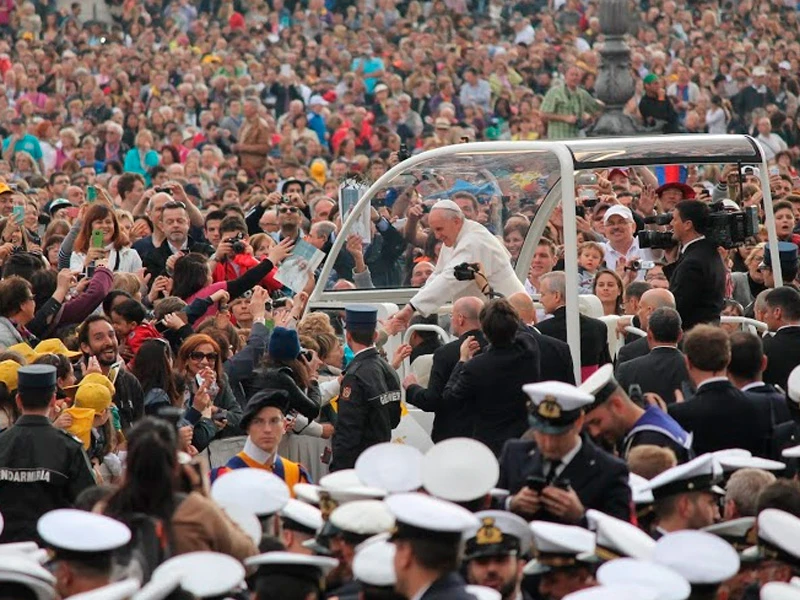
x=551, y=474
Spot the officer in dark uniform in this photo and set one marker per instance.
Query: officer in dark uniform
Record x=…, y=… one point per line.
x=369, y=401
x=41, y=468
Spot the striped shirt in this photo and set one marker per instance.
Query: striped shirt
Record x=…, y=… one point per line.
x=560, y=100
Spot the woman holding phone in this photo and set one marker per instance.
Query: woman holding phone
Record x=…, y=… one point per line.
x=100, y=237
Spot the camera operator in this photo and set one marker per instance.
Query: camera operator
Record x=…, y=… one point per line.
x=463, y=241
x=234, y=254
x=697, y=277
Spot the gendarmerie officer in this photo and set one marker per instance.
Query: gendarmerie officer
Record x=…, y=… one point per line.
x=369, y=403
x=41, y=468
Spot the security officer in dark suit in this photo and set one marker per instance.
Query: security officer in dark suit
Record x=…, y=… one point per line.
x=561, y=474
x=594, y=334
x=448, y=420
x=782, y=349
x=41, y=468
x=369, y=401
x=697, y=278
x=496, y=550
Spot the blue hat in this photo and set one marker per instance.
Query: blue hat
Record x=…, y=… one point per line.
x=284, y=344
x=787, y=252
x=36, y=377
x=361, y=316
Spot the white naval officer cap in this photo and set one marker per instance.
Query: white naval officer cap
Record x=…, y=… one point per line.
x=363, y=518
x=460, y=470
x=302, y=517
x=670, y=584
x=639, y=495
x=373, y=563
x=203, y=574
x=556, y=545
x=71, y=532
x=500, y=533
x=730, y=463
x=701, y=557
x=779, y=535
x=600, y=384
x=304, y=566
x=392, y=467
x=20, y=569
x=247, y=521
x=421, y=517
x=255, y=490
x=556, y=405
x=778, y=590
x=617, y=591
x=739, y=533
x=119, y=590
x=793, y=385
x=697, y=475
x=481, y=592
x=617, y=538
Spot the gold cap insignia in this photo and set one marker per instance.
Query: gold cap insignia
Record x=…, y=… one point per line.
x=549, y=408
x=326, y=504
x=488, y=533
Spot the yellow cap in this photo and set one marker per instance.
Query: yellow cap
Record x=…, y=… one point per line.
x=82, y=421
x=318, y=171
x=93, y=395
x=98, y=378
x=55, y=346
x=25, y=351
x=8, y=373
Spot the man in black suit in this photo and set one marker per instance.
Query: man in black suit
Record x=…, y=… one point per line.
x=488, y=387
x=746, y=371
x=555, y=359
x=697, y=277
x=448, y=420
x=175, y=224
x=663, y=370
x=427, y=539
x=594, y=334
x=719, y=415
x=561, y=474
x=783, y=349
x=651, y=300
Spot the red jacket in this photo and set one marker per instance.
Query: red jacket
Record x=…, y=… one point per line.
x=232, y=269
x=140, y=333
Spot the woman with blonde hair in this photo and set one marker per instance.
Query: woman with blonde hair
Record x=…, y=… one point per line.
x=141, y=158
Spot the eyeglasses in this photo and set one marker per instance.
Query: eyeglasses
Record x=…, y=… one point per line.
x=198, y=356
x=288, y=209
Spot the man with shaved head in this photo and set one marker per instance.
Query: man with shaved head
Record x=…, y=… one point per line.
x=447, y=420
x=651, y=300
x=463, y=242
x=555, y=360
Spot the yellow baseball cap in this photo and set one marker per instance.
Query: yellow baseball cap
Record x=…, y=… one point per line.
x=82, y=421
x=8, y=373
x=98, y=378
x=93, y=395
x=24, y=350
x=55, y=346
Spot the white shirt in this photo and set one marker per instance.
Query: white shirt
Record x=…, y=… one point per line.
x=751, y=385
x=772, y=144
x=687, y=244
x=567, y=458
x=421, y=592
x=634, y=252
x=473, y=244
x=711, y=380
x=129, y=260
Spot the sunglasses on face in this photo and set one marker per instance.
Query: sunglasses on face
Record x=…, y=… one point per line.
x=287, y=209
x=198, y=356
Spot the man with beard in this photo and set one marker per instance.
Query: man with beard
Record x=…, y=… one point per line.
x=175, y=225
x=98, y=343
x=494, y=555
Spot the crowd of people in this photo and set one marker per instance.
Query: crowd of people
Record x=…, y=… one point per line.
x=177, y=422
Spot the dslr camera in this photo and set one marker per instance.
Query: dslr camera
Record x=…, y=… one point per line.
x=237, y=243
x=466, y=271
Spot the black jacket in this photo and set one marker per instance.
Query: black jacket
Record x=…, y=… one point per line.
x=783, y=354
x=369, y=408
x=156, y=262
x=555, y=360
x=697, y=280
x=594, y=336
x=634, y=349
x=662, y=371
x=448, y=587
x=41, y=469
x=720, y=417
x=599, y=479
x=489, y=389
x=447, y=420
x=777, y=402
